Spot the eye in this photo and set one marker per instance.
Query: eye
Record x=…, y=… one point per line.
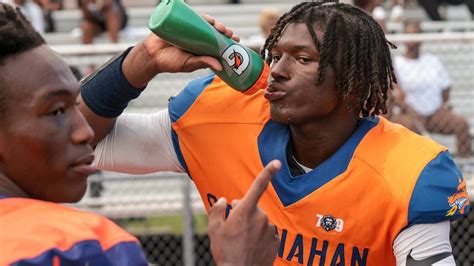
x=304, y=60
x=57, y=112
x=275, y=58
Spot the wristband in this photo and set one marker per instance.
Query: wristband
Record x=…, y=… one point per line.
x=106, y=91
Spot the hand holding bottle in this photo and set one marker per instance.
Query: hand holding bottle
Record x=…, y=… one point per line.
x=177, y=23
x=155, y=55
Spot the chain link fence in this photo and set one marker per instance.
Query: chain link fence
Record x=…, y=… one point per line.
x=165, y=211
x=462, y=240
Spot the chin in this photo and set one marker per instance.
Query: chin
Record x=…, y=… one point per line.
x=66, y=195
x=279, y=120
x=278, y=116
x=74, y=196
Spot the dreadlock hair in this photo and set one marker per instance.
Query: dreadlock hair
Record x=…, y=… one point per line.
x=16, y=36
x=354, y=45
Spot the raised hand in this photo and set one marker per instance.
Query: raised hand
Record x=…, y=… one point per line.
x=154, y=55
x=245, y=237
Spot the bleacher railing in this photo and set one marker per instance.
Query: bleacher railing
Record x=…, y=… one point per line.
x=113, y=48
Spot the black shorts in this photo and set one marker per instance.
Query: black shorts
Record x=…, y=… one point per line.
x=98, y=18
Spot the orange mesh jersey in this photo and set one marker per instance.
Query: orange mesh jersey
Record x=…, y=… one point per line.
x=348, y=210
x=34, y=232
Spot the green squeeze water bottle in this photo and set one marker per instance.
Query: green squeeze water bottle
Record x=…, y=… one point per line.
x=177, y=23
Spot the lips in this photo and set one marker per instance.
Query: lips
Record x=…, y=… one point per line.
x=274, y=92
x=84, y=165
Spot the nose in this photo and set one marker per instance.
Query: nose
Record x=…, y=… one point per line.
x=279, y=70
x=82, y=133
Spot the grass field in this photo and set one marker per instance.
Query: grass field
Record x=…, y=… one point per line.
x=172, y=224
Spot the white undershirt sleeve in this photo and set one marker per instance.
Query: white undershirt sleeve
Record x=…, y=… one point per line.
x=139, y=144
x=423, y=241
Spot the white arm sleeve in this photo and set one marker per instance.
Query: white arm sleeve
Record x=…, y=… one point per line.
x=138, y=144
x=423, y=241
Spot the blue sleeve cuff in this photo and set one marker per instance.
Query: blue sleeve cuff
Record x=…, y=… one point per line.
x=107, y=92
x=439, y=194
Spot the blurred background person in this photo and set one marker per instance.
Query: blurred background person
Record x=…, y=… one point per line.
x=367, y=5
x=48, y=7
x=375, y=9
x=32, y=11
x=396, y=10
x=100, y=16
x=267, y=19
x=431, y=7
x=426, y=84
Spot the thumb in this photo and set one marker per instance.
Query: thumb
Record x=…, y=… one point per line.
x=198, y=62
x=234, y=203
x=217, y=214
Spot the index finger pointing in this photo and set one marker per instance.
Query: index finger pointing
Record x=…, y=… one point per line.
x=259, y=185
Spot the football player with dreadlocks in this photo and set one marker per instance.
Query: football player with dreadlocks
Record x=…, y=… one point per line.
x=354, y=189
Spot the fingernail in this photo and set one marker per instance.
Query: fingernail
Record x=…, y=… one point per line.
x=221, y=200
x=276, y=163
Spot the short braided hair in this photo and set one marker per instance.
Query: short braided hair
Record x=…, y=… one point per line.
x=16, y=36
x=354, y=45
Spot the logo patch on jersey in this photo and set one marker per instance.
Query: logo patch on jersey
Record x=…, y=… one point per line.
x=458, y=201
x=237, y=58
x=329, y=223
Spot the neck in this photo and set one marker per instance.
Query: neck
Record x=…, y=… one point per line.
x=9, y=188
x=413, y=54
x=315, y=143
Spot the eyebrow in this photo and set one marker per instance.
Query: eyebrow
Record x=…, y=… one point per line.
x=57, y=93
x=303, y=47
x=300, y=47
